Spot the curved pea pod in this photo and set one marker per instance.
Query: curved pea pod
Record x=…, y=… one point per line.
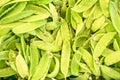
x=116, y=45
x=114, y=16
x=40, y=11
x=2, y=2
x=110, y=72
x=55, y=70
x=74, y=66
x=84, y=5
x=4, y=30
x=65, y=57
x=4, y=55
x=16, y=17
x=26, y=27
x=6, y=72
x=58, y=39
x=112, y=58
x=34, y=58
x=87, y=57
x=102, y=43
x=89, y=21
x=107, y=52
x=73, y=23
x=104, y=4
x=98, y=23
x=43, y=67
x=47, y=46
x=21, y=65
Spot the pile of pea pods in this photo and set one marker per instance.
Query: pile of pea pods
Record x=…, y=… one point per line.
x=59, y=39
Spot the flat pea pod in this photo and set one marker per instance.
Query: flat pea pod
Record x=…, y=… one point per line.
x=8, y=71
x=34, y=58
x=56, y=69
x=110, y=72
x=47, y=46
x=114, y=16
x=65, y=57
x=58, y=39
x=42, y=1
x=43, y=67
x=2, y=2
x=26, y=27
x=84, y=5
x=16, y=17
x=116, y=45
x=4, y=55
x=21, y=65
x=112, y=58
x=102, y=43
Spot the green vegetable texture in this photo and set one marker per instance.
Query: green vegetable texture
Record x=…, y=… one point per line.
x=59, y=39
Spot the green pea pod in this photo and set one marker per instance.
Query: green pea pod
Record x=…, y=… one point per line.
x=114, y=16
x=65, y=57
x=4, y=55
x=71, y=3
x=56, y=69
x=103, y=42
x=43, y=67
x=89, y=21
x=58, y=39
x=26, y=27
x=98, y=23
x=107, y=52
x=6, y=72
x=74, y=66
x=110, y=72
x=34, y=58
x=2, y=2
x=47, y=46
x=41, y=1
x=84, y=5
x=116, y=45
x=21, y=65
x=112, y=58
x=16, y=17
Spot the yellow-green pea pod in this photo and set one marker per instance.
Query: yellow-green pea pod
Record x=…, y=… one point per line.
x=110, y=72
x=112, y=58
x=107, y=52
x=43, y=67
x=2, y=2
x=65, y=33
x=4, y=30
x=98, y=23
x=71, y=3
x=47, y=46
x=104, y=5
x=58, y=39
x=114, y=16
x=6, y=72
x=102, y=43
x=84, y=5
x=16, y=17
x=55, y=70
x=74, y=66
x=89, y=21
x=73, y=23
x=34, y=58
x=116, y=45
x=65, y=57
x=87, y=57
x=21, y=65
x=18, y=8
x=26, y=27
x=4, y=55
x=40, y=2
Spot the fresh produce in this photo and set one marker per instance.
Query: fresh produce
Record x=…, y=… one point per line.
x=59, y=39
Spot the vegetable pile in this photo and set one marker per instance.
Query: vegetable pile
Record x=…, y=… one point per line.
x=59, y=39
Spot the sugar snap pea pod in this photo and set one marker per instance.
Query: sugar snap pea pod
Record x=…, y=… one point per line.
x=102, y=43
x=2, y=2
x=87, y=57
x=26, y=27
x=56, y=69
x=104, y=4
x=16, y=17
x=65, y=33
x=89, y=21
x=58, y=39
x=73, y=23
x=65, y=57
x=47, y=46
x=107, y=52
x=71, y=3
x=21, y=65
x=4, y=55
x=112, y=58
x=116, y=45
x=18, y=8
x=8, y=71
x=43, y=67
x=114, y=16
x=110, y=72
x=98, y=23
x=34, y=58
x=84, y=5
x=74, y=66
x=42, y=1
x=4, y=30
